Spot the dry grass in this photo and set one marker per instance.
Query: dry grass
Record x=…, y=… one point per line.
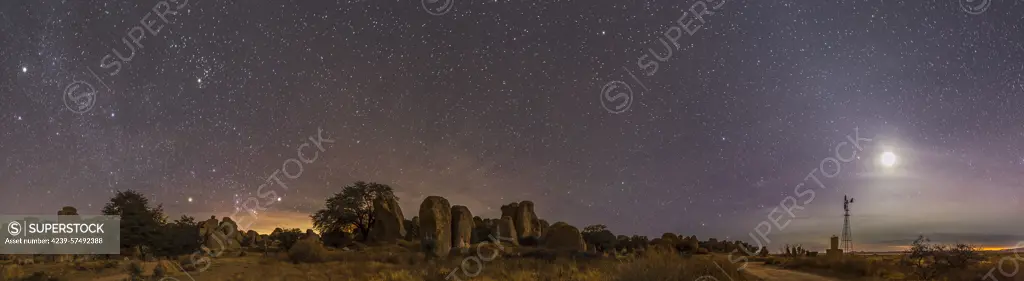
x=889, y=268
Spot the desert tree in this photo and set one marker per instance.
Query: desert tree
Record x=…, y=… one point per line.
x=599, y=236
x=180, y=237
x=141, y=224
x=286, y=237
x=930, y=261
x=352, y=207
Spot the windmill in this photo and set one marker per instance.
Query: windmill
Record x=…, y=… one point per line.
x=847, y=237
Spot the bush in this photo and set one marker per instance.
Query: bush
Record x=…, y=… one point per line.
x=307, y=251
x=160, y=270
x=11, y=272
x=929, y=261
x=287, y=238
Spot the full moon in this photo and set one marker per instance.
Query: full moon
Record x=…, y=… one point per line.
x=888, y=159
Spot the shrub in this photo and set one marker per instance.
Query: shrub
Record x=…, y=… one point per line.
x=307, y=251
x=135, y=268
x=11, y=272
x=929, y=261
x=160, y=270
x=286, y=238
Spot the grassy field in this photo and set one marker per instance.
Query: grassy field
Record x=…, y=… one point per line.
x=406, y=263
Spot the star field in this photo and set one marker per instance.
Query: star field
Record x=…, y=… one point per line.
x=499, y=101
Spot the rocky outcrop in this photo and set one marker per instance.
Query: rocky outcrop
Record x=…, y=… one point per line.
x=221, y=236
x=505, y=229
x=207, y=227
x=562, y=236
x=388, y=225
x=412, y=229
x=509, y=210
x=525, y=220
x=251, y=238
x=436, y=226
x=462, y=227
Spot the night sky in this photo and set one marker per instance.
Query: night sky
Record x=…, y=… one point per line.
x=497, y=101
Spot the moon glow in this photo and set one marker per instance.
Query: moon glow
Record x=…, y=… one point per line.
x=888, y=159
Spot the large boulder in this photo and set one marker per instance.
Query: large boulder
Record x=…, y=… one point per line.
x=221, y=236
x=525, y=219
x=208, y=227
x=251, y=238
x=462, y=227
x=230, y=230
x=505, y=229
x=388, y=225
x=509, y=210
x=412, y=229
x=562, y=236
x=436, y=226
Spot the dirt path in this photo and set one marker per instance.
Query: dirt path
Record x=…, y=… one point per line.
x=769, y=273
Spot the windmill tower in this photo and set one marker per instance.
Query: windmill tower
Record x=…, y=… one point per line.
x=847, y=237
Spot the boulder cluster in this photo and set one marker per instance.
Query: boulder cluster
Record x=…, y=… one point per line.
x=222, y=236
x=443, y=227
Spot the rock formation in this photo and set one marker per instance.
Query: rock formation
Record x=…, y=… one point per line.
x=525, y=220
x=462, y=227
x=505, y=229
x=562, y=236
x=436, y=225
x=388, y=225
x=220, y=236
x=252, y=238
x=509, y=210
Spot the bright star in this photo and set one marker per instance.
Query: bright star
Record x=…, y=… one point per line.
x=190, y=199
x=24, y=69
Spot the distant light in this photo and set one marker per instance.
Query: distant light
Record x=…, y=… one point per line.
x=888, y=159
x=24, y=69
x=278, y=199
x=199, y=80
x=190, y=199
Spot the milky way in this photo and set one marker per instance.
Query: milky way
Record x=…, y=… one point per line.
x=725, y=108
